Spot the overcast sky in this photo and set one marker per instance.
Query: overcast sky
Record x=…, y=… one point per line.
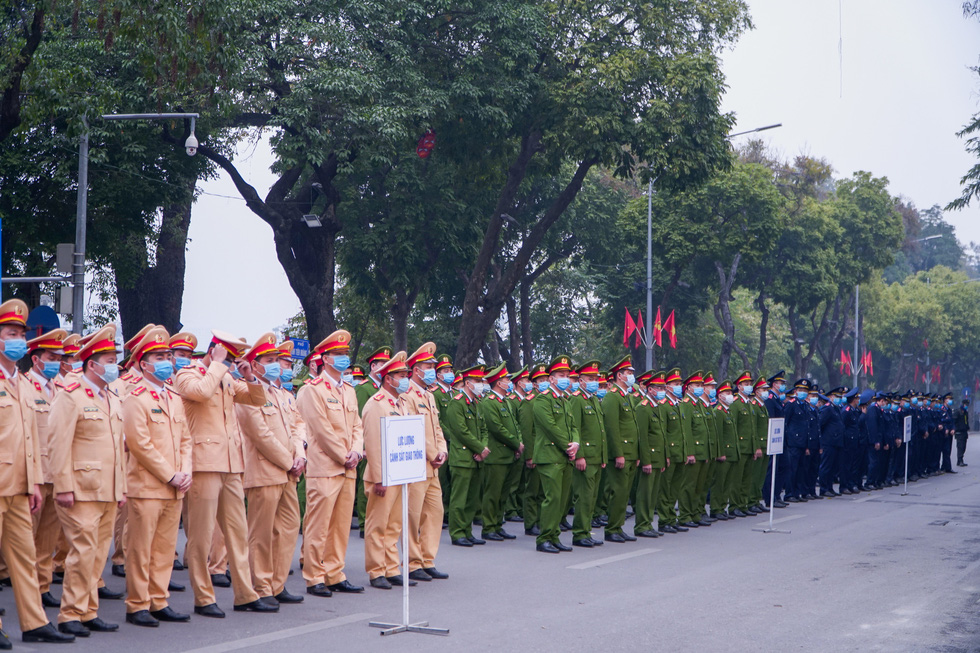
x=890, y=101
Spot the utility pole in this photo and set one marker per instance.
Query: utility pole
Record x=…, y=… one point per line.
x=81, y=215
x=649, y=333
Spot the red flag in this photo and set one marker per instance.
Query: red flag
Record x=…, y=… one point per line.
x=426, y=144
x=639, y=328
x=671, y=329
x=925, y=343
x=843, y=361
x=935, y=374
x=657, y=328
x=871, y=365
x=628, y=328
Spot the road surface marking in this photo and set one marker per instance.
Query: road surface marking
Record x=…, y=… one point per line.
x=610, y=559
x=257, y=640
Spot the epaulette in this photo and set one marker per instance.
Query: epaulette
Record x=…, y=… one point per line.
x=138, y=390
x=127, y=376
x=377, y=396
x=59, y=384
x=315, y=381
x=529, y=396
x=73, y=386
x=577, y=393
x=500, y=399
x=644, y=402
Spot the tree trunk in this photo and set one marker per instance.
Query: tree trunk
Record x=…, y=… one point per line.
x=723, y=315
x=399, y=315
x=527, y=347
x=10, y=102
x=764, y=310
x=794, y=331
x=513, y=336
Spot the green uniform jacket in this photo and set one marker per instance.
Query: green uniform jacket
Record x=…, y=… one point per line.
x=700, y=427
x=650, y=424
x=464, y=429
x=745, y=424
x=762, y=425
x=589, y=426
x=443, y=397
x=622, y=437
x=687, y=411
x=503, y=433
x=670, y=415
x=552, y=428
x=525, y=420
x=714, y=430
x=364, y=392
x=728, y=439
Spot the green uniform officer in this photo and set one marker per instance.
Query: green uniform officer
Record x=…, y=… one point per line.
x=513, y=492
x=693, y=411
x=586, y=412
x=467, y=451
x=623, y=447
x=506, y=448
x=726, y=455
x=745, y=421
x=443, y=393
x=554, y=449
x=709, y=399
x=653, y=456
x=680, y=451
x=760, y=461
x=538, y=376
x=363, y=392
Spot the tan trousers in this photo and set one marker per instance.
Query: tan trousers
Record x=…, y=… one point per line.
x=273, y=527
x=218, y=554
x=217, y=498
x=425, y=511
x=17, y=545
x=151, y=535
x=88, y=527
x=47, y=533
x=326, y=529
x=119, y=536
x=382, y=529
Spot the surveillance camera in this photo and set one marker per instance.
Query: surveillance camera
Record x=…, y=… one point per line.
x=191, y=145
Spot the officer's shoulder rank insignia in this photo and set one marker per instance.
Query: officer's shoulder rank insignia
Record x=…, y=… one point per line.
x=138, y=391
x=73, y=386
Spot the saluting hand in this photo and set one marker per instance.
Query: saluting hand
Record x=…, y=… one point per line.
x=218, y=354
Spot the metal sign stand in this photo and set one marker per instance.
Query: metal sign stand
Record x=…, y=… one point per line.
x=774, y=447
x=907, y=436
x=772, y=500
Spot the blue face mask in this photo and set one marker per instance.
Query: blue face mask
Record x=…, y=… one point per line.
x=697, y=392
x=287, y=385
x=661, y=395
x=630, y=380
x=15, y=348
x=272, y=371
x=341, y=363
x=592, y=387
x=402, y=385
x=528, y=387
x=801, y=395
x=813, y=401
x=600, y=393
x=346, y=378
x=543, y=386
x=510, y=387
x=76, y=366
x=949, y=402
x=563, y=383
x=51, y=369
x=111, y=372
x=915, y=402
x=575, y=386
x=428, y=377
x=782, y=396
x=163, y=370
x=448, y=378
x=181, y=363
x=287, y=375
x=235, y=374
x=712, y=394
x=676, y=390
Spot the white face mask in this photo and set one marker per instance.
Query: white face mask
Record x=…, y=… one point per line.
x=728, y=399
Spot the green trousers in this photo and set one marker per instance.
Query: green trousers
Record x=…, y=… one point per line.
x=618, y=486
x=687, y=492
x=600, y=502
x=749, y=489
x=669, y=483
x=704, y=483
x=445, y=481
x=513, y=488
x=647, y=495
x=736, y=500
x=464, y=501
x=585, y=493
x=760, y=467
x=360, y=499
x=532, y=498
x=719, y=485
x=494, y=478
x=556, y=480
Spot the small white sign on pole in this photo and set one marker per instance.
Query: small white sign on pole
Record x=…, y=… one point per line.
x=403, y=449
x=908, y=428
x=775, y=443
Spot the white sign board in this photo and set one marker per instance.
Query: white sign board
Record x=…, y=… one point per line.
x=402, y=449
x=775, y=443
x=908, y=428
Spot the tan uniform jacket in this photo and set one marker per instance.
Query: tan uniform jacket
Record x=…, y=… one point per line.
x=87, y=444
x=333, y=426
x=296, y=423
x=270, y=443
x=210, y=395
x=41, y=403
x=158, y=440
x=381, y=404
x=20, y=450
x=422, y=402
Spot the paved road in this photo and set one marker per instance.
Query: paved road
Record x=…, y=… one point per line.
x=877, y=572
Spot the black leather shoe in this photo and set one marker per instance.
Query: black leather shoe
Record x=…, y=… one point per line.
x=596, y=542
x=507, y=536
x=178, y=565
x=627, y=537
x=381, y=583
x=738, y=513
x=762, y=508
x=286, y=597
x=493, y=537
x=175, y=587
x=596, y=523
x=5, y=644
x=813, y=496
x=648, y=533
x=98, y=626
x=515, y=518
x=534, y=531
x=398, y=581
x=257, y=606
x=269, y=600
x=681, y=528
x=169, y=614
x=220, y=580
x=57, y=578
x=119, y=570
x=49, y=601
x=478, y=522
x=547, y=547
x=779, y=503
x=565, y=526
x=73, y=628
x=720, y=516
x=108, y=595
x=586, y=543
x=564, y=548
x=345, y=587
x=703, y=523
x=144, y=619
x=690, y=524
x=319, y=590
x=435, y=573
x=6, y=582
x=709, y=519
x=667, y=528
x=615, y=537
x=476, y=540
x=47, y=633
x=209, y=610
x=420, y=575
x=792, y=500
x=754, y=510
x=462, y=541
